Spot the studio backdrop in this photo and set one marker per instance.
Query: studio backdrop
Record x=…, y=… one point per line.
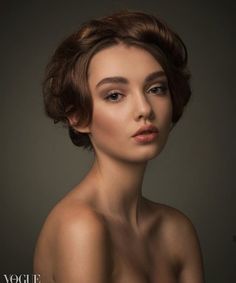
x=195, y=172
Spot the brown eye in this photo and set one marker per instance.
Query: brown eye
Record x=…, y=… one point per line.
x=114, y=96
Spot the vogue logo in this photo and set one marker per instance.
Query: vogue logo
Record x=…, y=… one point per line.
x=22, y=278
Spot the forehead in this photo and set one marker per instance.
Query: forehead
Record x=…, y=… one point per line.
x=121, y=60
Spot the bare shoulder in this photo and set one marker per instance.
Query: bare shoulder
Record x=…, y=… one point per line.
x=179, y=236
x=73, y=245
x=170, y=217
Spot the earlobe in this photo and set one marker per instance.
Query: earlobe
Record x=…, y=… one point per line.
x=82, y=129
x=73, y=121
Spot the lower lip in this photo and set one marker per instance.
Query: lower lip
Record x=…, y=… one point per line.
x=146, y=138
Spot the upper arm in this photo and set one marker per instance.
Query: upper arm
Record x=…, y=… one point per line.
x=186, y=249
x=190, y=255
x=82, y=251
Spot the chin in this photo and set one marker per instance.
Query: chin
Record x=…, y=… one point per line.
x=140, y=154
x=150, y=154
x=143, y=154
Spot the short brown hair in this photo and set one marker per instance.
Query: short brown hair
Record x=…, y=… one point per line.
x=65, y=87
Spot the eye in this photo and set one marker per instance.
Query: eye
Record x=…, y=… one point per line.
x=159, y=89
x=114, y=96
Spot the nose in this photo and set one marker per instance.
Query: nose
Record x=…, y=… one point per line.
x=143, y=108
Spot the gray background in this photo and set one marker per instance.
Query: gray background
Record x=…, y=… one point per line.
x=39, y=164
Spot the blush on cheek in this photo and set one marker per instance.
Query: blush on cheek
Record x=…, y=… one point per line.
x=164, y=114
x=102, y=128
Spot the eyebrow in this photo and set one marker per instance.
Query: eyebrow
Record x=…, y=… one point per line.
x=122, y=80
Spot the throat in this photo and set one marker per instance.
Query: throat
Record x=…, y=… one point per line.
x=118, y=188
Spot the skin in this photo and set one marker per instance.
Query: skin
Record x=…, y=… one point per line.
x=104, y=230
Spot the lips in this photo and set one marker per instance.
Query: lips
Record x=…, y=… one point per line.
x=145, y=130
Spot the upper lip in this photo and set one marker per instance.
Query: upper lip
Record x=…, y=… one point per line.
x=146, y=128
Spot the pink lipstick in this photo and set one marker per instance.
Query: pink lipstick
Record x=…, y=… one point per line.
x=146, y=134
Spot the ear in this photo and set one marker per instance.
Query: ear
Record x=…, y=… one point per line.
x=73, y=121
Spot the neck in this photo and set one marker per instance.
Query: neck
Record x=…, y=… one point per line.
x=118, y=187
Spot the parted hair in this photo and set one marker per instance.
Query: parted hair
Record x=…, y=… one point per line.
x=65, y=86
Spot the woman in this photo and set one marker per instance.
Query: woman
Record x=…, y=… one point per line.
x=120, y=84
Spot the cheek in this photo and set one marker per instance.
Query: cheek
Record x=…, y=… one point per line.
x=164, y=112
x=105, y=124
x=169, y=112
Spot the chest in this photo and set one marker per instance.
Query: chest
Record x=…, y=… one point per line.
x=140, y=262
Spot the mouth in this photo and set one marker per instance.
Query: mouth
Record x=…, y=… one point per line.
x=146, y=137
x=146, y=134
x=145, y=130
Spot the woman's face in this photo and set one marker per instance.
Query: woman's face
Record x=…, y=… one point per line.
x=129, y=90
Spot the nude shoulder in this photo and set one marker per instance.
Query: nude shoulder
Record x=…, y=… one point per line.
x=74, y=237
x=168, y=214
x=179, y=238
x=71, y=216
x=173, y=223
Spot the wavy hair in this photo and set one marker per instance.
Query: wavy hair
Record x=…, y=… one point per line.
x=65, y=87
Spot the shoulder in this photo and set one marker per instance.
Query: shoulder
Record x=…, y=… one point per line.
x=77, y=241
x=174, y=226
x=75, y=214
x=170, y=218
x=180, y=239
x=77, y=220
x=71, y=214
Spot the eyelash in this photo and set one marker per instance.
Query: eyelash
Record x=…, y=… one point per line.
x=110, y=95
x=163, y=90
